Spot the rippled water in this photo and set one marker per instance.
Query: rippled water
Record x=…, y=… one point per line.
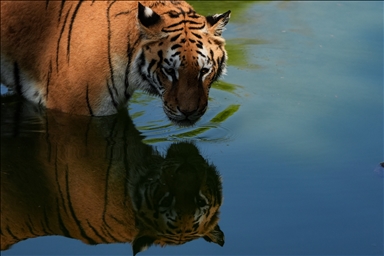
x=295, y=130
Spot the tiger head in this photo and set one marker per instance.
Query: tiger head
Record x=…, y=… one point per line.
x=178, y=203
x=181, y=55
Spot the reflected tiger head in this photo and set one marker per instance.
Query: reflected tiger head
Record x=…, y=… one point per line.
x=181, y=55
x=180, y=202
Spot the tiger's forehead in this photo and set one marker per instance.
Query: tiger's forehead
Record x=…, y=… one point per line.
x=182, y=20
x=186, y=32
x=181, y=13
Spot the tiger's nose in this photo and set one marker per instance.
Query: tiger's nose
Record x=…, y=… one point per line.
x=187, y=112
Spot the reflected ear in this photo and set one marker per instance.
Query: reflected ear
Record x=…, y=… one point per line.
x=217, y=22
x=216, y=236
x=141, y=244
x=147, y=16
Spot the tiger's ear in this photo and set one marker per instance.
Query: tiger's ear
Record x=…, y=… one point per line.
x=216, y=236
x=141, y=244
x=148, y=19
x=217, y=22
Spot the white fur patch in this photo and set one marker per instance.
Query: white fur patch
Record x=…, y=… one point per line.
x=30, y=89
x=175, y=63
x=148, y=12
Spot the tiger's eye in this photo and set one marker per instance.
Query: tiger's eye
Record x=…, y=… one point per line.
x=166, y=201
x=169, y=71
x=204, y=71
x=200, y=201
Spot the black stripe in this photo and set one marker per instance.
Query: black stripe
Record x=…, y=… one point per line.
x=148, y=201
x=48, y=80
x=175, y=54
x=61, y=10
x=169, y=31
x=173, y=14
x=111, y=143
x=197, y=35
x=126, y=158
x=130, y=51
x=182, y=22
x=175, y=46
x=153, y=62
x=12, y=235
x=102, y=238
x=141, y=64
x=181, y=11
x=60, y=192
x=174, y=38
x=30, y=226
x=160, y=54
x=16, y=78
x=192, y=14
x=123, y=13
x=106, y=232
x=117, y=220
x=200, y=53
x=127, y=68
x=58, y=41
x=111, y=94
x=157, y=79
x=45, y=223
x=197, y=28
x=62, y=227
x=220, y=66
x=195, y=226
x=87, y=100
x=46, y=4
x=72, y=210
x=109, y=50
x=171, y=226
x=60, y=196
x=70, y=27
x=212, y=57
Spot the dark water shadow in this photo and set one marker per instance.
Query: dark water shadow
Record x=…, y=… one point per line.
x=93, y=179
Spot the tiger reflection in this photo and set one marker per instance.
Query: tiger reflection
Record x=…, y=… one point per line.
x=93, y=179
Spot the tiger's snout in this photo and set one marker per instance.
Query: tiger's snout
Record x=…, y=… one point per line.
x=184, y=115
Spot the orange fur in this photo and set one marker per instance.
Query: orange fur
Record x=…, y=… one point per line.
x=88, y=57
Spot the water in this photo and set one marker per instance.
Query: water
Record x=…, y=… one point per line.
x=295, y=130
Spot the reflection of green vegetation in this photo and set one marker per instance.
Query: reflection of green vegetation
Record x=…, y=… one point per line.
x=223, y=115
x=141, y=98
x=219, y=118
x=137, y=114
x=238, y=56
x=159, y=127
x=224, y=86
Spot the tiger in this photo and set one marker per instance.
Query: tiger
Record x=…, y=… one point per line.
x=88, y=57
x=95, y=180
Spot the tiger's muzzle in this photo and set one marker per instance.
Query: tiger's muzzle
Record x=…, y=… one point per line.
x=182, y=116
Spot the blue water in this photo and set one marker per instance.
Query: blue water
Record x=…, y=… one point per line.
x=297, y=158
